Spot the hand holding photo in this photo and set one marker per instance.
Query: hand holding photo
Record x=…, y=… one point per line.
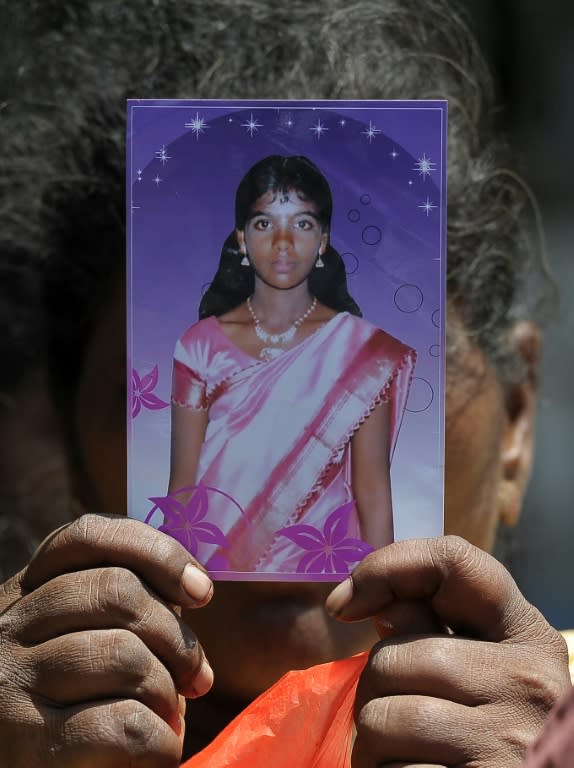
x=287, y=401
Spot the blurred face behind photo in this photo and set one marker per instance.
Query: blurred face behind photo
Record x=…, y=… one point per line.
x=254, y=632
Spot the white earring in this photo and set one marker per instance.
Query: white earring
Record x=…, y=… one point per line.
x=244, y=261
x=319, y=263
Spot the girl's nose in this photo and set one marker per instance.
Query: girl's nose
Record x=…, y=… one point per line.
x=282, y=237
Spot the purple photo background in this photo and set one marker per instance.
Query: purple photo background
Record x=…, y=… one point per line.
x=386, y=165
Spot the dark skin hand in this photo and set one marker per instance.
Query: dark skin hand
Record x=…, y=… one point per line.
x=475, y=694
x=94, y=660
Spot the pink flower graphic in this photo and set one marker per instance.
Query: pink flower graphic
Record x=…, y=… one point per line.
x=328, y=551
x=185, y=521
x=142, y=395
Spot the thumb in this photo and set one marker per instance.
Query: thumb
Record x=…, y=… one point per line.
x=467, y=589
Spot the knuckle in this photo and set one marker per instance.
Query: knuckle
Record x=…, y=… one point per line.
x=393, y=714
x=385, y=658
x=87, y=529
x=393, y=661
x=508, y=733
x=9, y=624
x=138, y=727
x=166, y=549
x=535, y=688
x=422, y=710
x=154, y=678
x=455, y=549
x=550, y=640
x=120, y=591
x=558, y=648
x=458, y=556
x=143, y=736
x=371, y=718
x=126, y=654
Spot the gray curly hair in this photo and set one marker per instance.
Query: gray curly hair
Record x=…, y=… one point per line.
x=63, y=131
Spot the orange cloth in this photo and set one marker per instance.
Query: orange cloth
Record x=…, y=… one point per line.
x=304, y=720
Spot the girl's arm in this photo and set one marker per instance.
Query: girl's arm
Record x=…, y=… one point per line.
x=188, y=427
x=370, y=477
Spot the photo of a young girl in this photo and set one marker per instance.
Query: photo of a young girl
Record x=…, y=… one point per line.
x=283, y=396
x=297, y=424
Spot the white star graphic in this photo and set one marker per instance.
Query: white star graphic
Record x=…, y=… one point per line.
x=425, y=166
x=140, y=174
x=285, y=119
x=371, y=131
x=319, y=129
x=342, y=123
x=157, y=180
x=394, y=154
x=427, y=207
x=197, y=125
x=251, y=125
x=162, y=155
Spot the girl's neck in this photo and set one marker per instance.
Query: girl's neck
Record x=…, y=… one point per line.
x=278, y=309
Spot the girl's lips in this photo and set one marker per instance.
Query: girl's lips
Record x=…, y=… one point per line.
x=283, y=267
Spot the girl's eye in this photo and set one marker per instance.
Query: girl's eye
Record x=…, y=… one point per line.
x=305, y=224
x=261, y=224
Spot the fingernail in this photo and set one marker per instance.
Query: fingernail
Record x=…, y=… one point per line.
x=203, y=681
x=339, y=597
x=196, y=583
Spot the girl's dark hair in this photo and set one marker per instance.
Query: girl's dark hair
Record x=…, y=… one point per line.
x=233, y=283
x=279, y=174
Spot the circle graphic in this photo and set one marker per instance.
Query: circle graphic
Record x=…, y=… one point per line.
x=420, y=396
x=436, y=318
x=354, y=215
x=408, y=298
x=434, y=350
x=351, y=262
x=371, y=235
x=365, y=199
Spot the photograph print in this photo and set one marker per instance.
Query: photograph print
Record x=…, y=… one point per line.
x=286, y=274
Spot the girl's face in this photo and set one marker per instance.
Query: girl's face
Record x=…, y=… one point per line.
x=282, y=238
x=254, y=632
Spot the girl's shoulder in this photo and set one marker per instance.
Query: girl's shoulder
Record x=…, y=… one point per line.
x=205, y=349
x=203, y=331
x=198, y=345
x=367, y=330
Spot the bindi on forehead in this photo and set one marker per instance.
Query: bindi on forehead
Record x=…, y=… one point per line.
x=283, y=204
x=283, y=196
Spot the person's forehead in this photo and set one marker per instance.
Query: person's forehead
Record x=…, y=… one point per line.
x=284, y=199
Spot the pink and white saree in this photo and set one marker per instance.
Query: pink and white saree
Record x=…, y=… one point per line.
x=276, y=450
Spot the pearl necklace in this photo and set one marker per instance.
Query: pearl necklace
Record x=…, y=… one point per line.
x=268, y=353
